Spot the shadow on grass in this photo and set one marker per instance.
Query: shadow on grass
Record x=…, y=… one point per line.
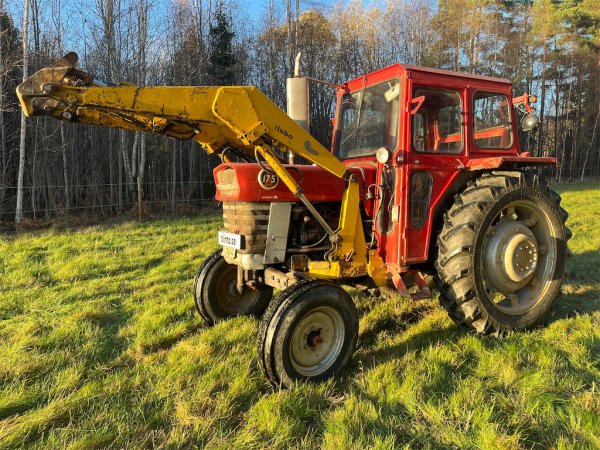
x=103, y=355
x=399, y=324
x=582, y=295
x=438, y=386
x=395, y=323
x=169, y=342
x=417, y=343
x=571, y=305
x=10, y=230
x=110, y=344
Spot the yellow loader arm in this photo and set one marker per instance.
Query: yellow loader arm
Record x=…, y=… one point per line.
x=216, y=117
x=241, y=117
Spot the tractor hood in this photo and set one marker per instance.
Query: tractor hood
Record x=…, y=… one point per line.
x=239, y=182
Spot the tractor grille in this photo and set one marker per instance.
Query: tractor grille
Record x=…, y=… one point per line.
x=250, y=219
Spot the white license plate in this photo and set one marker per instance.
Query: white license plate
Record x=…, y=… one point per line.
x=230, y=240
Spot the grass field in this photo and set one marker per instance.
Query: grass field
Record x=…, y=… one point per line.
x=100, y=346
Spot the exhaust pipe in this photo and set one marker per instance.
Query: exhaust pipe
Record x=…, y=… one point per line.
x=297, y=96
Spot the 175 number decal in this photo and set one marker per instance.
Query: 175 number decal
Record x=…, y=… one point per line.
x=267, y=180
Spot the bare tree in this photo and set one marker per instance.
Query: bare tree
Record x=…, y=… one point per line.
x=76, y=166
x=19, y=208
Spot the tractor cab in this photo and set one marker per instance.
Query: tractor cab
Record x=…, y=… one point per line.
x=408, y=108
x=412, y=132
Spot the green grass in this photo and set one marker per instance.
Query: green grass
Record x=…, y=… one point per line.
x=100, y=347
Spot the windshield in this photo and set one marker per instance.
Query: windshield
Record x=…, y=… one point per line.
x=369, y=120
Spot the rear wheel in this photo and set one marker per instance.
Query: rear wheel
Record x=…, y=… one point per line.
x=502, y=253
x=309, y=333
x=216, y=295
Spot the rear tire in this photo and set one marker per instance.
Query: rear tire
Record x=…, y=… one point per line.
x=309, y=333
x=216, y=296
x=502, y=253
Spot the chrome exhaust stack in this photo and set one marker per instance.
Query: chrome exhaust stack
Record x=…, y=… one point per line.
x=297, y=97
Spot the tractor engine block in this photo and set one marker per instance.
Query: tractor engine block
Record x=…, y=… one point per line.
x=251, y=220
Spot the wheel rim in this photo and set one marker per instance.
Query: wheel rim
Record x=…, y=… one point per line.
x=317, y=341
x=519, y=257
x=229, y=299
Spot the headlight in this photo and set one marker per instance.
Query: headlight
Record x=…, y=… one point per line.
x=382, y=155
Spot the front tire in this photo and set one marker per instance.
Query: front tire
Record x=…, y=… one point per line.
x=216, y=296
x=502, y=253
x=308, y=334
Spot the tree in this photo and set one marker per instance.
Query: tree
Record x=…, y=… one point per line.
x=221, y=60
x=23, y=138
x=211, y=42
x=9, y=74
x=545, y=27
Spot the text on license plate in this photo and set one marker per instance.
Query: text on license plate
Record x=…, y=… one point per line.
x=230, y=239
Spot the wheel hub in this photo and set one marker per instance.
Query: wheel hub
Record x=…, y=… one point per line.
x=314, y=338
x=229, y=298
x=510, y=256
x=316, y=341
x=519, y=258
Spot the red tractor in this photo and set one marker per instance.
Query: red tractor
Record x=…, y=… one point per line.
x=425, y=179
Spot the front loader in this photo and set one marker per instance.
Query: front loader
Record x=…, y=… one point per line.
x=425, y=180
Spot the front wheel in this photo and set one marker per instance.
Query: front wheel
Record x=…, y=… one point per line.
x=308, y=334
x=216, y=295
x=502, y=253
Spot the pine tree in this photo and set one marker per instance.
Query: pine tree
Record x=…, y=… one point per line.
x=221, y=59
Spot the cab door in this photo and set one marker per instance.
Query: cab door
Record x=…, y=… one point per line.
x=436, y=143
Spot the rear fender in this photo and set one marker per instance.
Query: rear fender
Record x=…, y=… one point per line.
x=497, y=162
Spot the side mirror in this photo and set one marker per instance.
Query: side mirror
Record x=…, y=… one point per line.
x=530, y=122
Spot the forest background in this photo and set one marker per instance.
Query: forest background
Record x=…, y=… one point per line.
x=550, y=48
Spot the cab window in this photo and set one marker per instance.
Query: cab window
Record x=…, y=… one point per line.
x=437, y=124
x=492, y=127
x=369, y=120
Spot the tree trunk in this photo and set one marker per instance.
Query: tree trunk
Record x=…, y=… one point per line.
x=65, y=172
x=540, y=145
x=191, y=158
x=556, y=105
x=33, y=187
x=565, y=128
x=140, y=178
x=120, y=178
x=173, y=174
x=128, y=173
x=19, y=209
x=141, y=137
x=134, y=154
x=181, y=185
x=577, y=131
x=296, y=28
x=111, y=169
x=272, y=51
x=3, y=153
x=589, y=149
x=290, y=56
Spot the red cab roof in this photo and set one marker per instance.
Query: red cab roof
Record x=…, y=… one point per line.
x=412, y=68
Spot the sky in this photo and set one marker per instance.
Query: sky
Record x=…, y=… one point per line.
x=254, y=8
x=251, y=11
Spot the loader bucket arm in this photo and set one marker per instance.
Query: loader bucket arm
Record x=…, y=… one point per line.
x=216, y=117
